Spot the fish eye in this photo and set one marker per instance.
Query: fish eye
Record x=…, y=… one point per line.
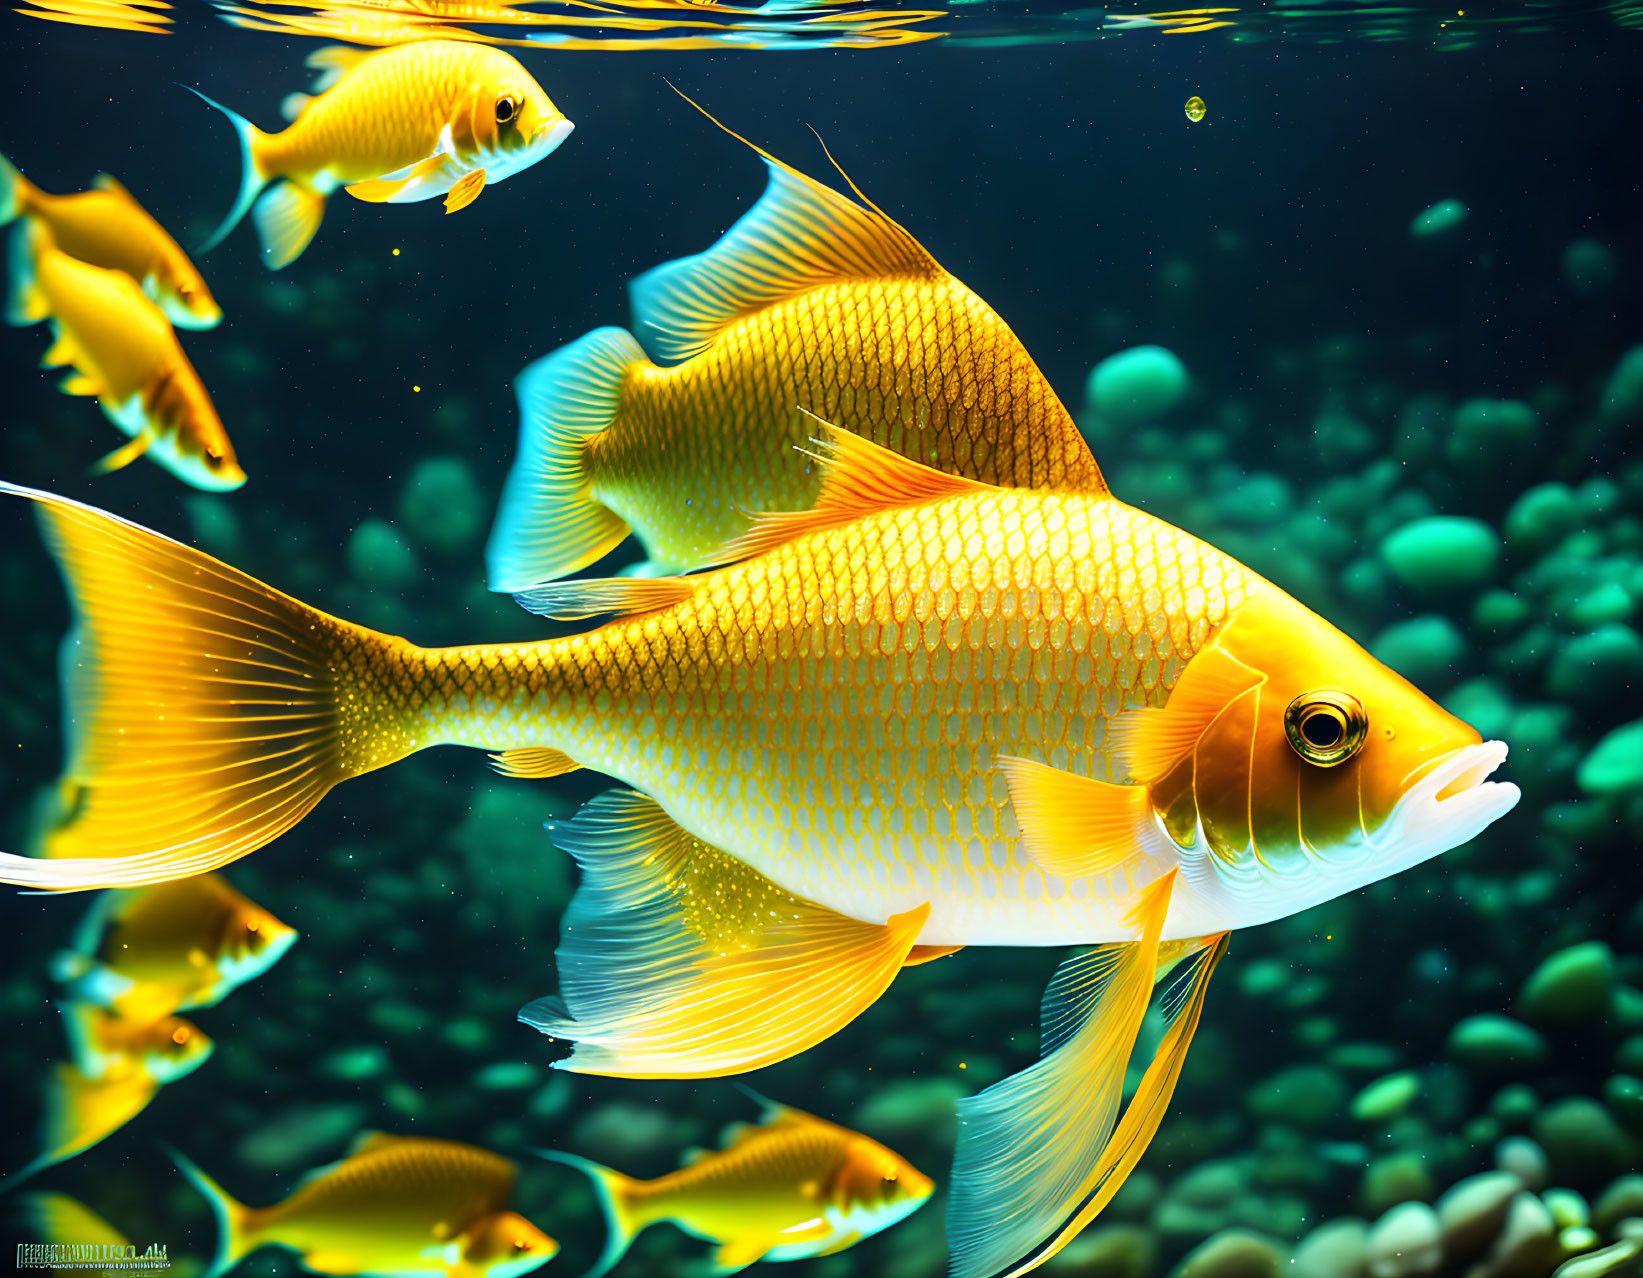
x=1326, y=727
x=179, y=1035
x=506, y=108
x=520, y=1244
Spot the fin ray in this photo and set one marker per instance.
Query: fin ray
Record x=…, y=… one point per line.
x=287, y=215
x=599, y=596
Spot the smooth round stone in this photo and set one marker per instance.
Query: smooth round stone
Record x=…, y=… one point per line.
x=1423, y=649
x=1235, y=1253
x=1589, y=266
x=1386, y=1098
x=296, y=1137
x=507, y=1076
x=1524, y=1159
x=1570, y=986
x=378, y=557
x=626, y=1132
x=1488, y=1041
x=1500, y=612
x=1611, y=1260
x=913, y=1109
x=1623, y=1198
x=1623, y=396
x=1579, y=1135
x=1615, y=764
x=1107, y=1251
x=1542, y=516
x=442, y=506
x=1527, y=1245
x=1442, y=552
x=1212, y=1184
x=1628, y=1057
x=1472, y=1212
x=1258, y=501
x=1568, y=1208
x=1135, y=384
x=1405, y=1243
x=1301, y=1096
x=1597, y=666
x=1605, y=603
x=1337, y=1249
x=1443, y=216
x=1624, y=1095
x=1484, y=704
x=1491, y=431
x=1393, y=1179
x=354, y=1064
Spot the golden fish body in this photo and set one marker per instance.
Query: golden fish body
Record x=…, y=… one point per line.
x=107, y=227
x=396, y=1204
x=409, y=122
x=170, y=947
x=124, y=352
x=812, y=303
x=792, y=1187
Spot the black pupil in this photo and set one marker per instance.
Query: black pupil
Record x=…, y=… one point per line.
x=504, y=110
x=1322, y=730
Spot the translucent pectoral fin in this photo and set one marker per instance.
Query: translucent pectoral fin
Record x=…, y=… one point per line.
x=124, y=455
x=534, y=761
x=1146, y=743
x=1042, y=1152
x=383, y=190
x=676, y=960
x=465, y=191
x=1075, y=827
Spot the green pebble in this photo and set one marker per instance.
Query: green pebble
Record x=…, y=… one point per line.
x=1624, y=1095
x=1107, y=1251
x=1608, y=602
x=1442, y=552
x=1569, y=1210
x=1491, y=431
x=1265, y=977
x=1628, y=1057
x=1615, y=764
x=1589, y=266
x=1235, y=1253
x=1425, y=650
x=369, y=1060
x=1368, y=1058
x=1135, y=384
x=1623, y=396
x=1597, y=667
x=467, y=1034
x=442, y=507
x=1386, y=1097
x=379, y=558
x=1443, y=216
x=1484, y=704
x=1258, y=501
x=918, y=1108
x=1395, y=1178
x=1579, y=1135
x=1614, y=1259
x=404, y=1100
x=1488, y=1041
x=1573, y=985
x=1500, y=612
x=1301, y=1096
x=1622, y=1199
x=507, y=1076
x=1212, y=1184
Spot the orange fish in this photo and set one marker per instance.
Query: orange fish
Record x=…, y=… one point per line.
x=396, y=125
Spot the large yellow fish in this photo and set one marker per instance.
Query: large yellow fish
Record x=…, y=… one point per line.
x=793, y=1187
x=927, y=713
x=148, y=952
x=107, y=227
x=395, y=1205
x=124, y=352
x=118, y=1067
x=812, y=301
x=395, y=125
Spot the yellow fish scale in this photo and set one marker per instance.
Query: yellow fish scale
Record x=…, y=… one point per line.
x=934, y=374
x=384, y=115
x=832, y=712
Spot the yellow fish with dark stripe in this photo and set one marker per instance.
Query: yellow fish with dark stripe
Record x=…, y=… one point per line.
x=811, y=302
x=106, y=227
x=125, y=354
x=411, y=122
x=394, y=1205
x=792, y=1187
x=926, y=713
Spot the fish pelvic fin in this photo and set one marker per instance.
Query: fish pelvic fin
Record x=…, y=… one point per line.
x=676, y=960
x=550, y=522
x=17, y=193
x=859, y=478
x=253, y=176
x=206, y=713
x=287, y=216
x=619, y=1201
x=800, y=235
x=1041, y=1153
x=235, y=1239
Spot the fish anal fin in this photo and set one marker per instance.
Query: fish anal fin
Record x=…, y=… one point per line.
x=81, y=384
x=739, y=1253
x=676, y=960
x=594, y=597
x=1147, y=743
x=800, y=234
x=535, y=761
x=465, y=191
x=859, y=478
x=124, y=455
x=62, y=351
x=1040, y=1154
x=286, y=216
x=1075, y=827
x=921, y=954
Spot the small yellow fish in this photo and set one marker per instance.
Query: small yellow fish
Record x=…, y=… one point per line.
x=1195, y=109
x=811, y=302
x=59, y=1220
x=394, y=1205
x=119, y=1066
x=793, y=1187
x=107, y=227
x=124, y=352
x=148, y=952
x=395, y=125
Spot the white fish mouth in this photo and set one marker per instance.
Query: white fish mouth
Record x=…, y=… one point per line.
x=1451, y=804
x=548, y=136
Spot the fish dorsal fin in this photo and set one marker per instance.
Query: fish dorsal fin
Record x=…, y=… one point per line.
x=533, y=762
x=1146, y=743
x=799, y=235
x=859, y=478
x=596, y=596
x=693, y=1155
x=318, y=1173
x=108, y=182
x=370, y=1142
x=333, y=62
x=292, y=105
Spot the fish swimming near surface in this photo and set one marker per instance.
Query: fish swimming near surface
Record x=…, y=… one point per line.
x=117, y=1068
x=926, y=713
x=410, y=122
x=792, y=1187
x=106, y=227
x=812, y=301
x=123, y=351
x=147, y=952
x=394, y=1205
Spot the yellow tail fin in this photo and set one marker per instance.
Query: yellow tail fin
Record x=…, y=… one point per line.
x=616, y=1198
x=234, y=1237
x=207, y=713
